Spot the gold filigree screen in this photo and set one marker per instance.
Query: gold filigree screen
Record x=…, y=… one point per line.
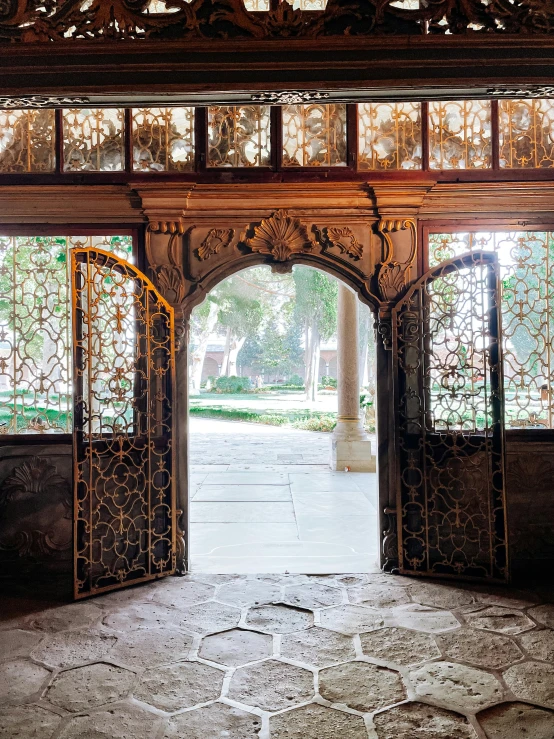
x=460, y=134
x=94, y=140
x=123, y=458
x=526, y=261
x=163, y=139
x=238, y=136
x=389, y=136
x=27, y=141
x=526, y=133
x=35, y=334
x=314, y=135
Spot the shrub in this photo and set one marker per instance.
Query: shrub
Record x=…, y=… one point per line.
x=328, y=381
x=233, y=384
x=323, y=422
x=295, y=380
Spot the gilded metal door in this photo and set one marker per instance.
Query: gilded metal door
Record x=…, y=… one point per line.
x=450, y=430
x=123, y=360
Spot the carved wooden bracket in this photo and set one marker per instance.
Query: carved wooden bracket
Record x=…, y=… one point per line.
x=393, y=275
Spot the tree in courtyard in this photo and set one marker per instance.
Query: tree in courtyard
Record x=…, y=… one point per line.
x=240, y=315
x=316, y=312
x=203, y=323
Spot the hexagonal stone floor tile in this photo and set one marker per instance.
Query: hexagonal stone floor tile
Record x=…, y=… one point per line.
x=27, y=722
x=236, y=647
x=182, y=685
x=178, y=592
x=316, y=722
x=145, y=647
x=318, y=647
x=19, y=680
x=136, y=615
x=72, y=648
x=248, y=592
x=83, y=687
x=362, y=686
x=399, y=646
x=503, y=620
x=456, y=686
x=121, y=721
x=312, y=595
x=506, y=597
x=207, y=618
x=351, y=619
x=544, y=614
x=271, y=685
x=424, y=618
x=351, y=580
x=219, y=719
x=539, y=644
x=17, y=643
x=379, y=596
x=517, y=721
x=72, y=616
x=419, y=721
x=532, y=681
x=279, y=618
x=440, y=595
x=481, y=648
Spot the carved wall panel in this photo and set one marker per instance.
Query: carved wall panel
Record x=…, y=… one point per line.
x=529, y=474
x=36, y=517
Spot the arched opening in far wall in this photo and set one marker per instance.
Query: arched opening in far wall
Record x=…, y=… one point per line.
x=282, y=455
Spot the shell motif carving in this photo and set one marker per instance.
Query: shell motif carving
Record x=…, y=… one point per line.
x=281, y=235
x=35, y=510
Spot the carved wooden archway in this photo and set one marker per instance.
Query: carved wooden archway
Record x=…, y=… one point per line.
x=366, y=238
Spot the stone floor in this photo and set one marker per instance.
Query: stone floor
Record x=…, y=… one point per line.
x=367, y=656
x=287, y=513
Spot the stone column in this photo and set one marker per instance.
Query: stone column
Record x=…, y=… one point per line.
x=350, y=445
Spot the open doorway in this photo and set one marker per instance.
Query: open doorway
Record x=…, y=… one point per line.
x=282, y=477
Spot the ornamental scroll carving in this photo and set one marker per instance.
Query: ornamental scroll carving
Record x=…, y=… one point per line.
x=281, y=236
x=393, y=276
x=35, y=510
x=62, y=21
x=345, y=240
x=216, y=239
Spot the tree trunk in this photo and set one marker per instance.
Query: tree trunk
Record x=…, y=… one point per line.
x=313, y=344
x=199, y=354
x=234, y=349
x=363, y=329
x=225, y=363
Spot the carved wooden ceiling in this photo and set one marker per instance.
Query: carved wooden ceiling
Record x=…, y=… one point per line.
x=219, y=51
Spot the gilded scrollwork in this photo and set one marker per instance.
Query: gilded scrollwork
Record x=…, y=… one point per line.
x=65, y=20
x=280, y=236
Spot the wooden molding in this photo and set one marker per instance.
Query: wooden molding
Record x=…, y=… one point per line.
x=69, y=204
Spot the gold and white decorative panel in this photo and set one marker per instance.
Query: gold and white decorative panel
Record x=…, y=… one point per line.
x=314, y=135
x=526, y=261
x=389, y=136
x=27, y=141
x=238, y=136
x=526, y=134
x=163, y=139
x=308, y=4
x=460, y=134
x=35, y=335
x=257, y=6
x=94, y=140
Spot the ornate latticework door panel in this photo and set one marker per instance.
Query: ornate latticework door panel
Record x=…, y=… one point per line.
x=123, y=380
x=450, y=434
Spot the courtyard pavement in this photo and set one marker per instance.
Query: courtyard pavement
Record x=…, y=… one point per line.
x=264, y=499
